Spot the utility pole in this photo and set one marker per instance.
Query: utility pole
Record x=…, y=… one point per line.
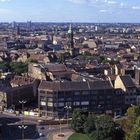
x=67, y=108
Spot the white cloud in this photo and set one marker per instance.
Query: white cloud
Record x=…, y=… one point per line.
x=103, y=11
x=4, y=11
x=136, y=7
x=78, y=1
x=105, y=4
x=93, y=1
x=122, y=4
x=110, y=2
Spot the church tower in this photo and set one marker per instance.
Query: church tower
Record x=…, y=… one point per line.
x=70, y=40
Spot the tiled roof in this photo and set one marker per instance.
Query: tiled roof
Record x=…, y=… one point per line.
x=127, y=80
x=20, y=80
x=74, y=85
x=100, y=85
x=55, y=67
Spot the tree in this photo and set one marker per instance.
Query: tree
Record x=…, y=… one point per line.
x=133, y=111
x=19, y=67
x=79, y=117
x=105, y=128
x=89, y=125
x=4, y=65
x=129, y=124
x=135, y=133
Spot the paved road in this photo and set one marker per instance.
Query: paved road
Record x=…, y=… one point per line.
x=11, y=131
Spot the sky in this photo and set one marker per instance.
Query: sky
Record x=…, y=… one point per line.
x=70, y=11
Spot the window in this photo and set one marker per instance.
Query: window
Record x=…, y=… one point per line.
x=60, y=104
x=85, y=103
x=101, y=97
x=50, y=104
x=42, y=98
x=76, y=103
x=43, y=103
x=49, y=108
x=93, y=97
x=61, y=99
x=42, y=91
x=49, y=94
x=85, y=92
x=49, y=114
x=94, y=92
x=50, y=99
x=108, y=97
x=77, y=93
x=101, y=102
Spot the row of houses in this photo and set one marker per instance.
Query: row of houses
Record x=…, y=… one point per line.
x=52, y=87
x=99, y=96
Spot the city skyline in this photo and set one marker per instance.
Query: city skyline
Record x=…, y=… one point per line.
x=70, y=11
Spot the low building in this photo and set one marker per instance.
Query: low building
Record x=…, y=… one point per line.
x=95, y=96
x=22, y=88
x=129, y=88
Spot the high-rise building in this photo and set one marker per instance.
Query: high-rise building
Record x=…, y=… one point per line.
x=137, y=75
x=13, y=24
x=70, y=40
x=29, y=25
x=18, y=30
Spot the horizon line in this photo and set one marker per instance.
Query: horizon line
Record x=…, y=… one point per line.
x=86, y=22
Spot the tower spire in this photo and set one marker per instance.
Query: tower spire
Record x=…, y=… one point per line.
x=70, y=40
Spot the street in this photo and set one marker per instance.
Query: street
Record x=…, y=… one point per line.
x=10, y=129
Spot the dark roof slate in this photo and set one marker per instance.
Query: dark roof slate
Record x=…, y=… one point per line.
x=127, y=81
x=74, y=85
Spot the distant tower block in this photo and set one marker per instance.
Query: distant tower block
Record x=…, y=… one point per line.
x=29, y=25
x=70, y=40
x=137, y=75
x=14, y=24
x=18, y=30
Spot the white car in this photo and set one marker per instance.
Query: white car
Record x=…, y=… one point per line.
x=10, y=110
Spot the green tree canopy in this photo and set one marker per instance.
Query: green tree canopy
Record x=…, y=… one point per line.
x=79, y=117
x=135, y=133
x=89, y=125
x=19, y=67
x=104, y=127
x=133, y=111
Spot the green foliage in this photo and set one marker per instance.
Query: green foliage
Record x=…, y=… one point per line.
x=19, y=67
x=79, y=117
x=63, y=57
x=86, y=53
x=104, y=127
x=135, y=133
x=102, y=59
x=131, y=123
x=89, y=125
x=133, y=111
x=96, y=127
x=4, y=65
x=78, y=136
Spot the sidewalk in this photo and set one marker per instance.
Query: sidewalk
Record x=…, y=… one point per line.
x=66, y=135
x=25, y=116
x=54, y=135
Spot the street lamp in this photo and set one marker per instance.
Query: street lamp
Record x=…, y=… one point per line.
x=67, y=108
x=22, y=102
x=22, y=127
x=60, y=133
